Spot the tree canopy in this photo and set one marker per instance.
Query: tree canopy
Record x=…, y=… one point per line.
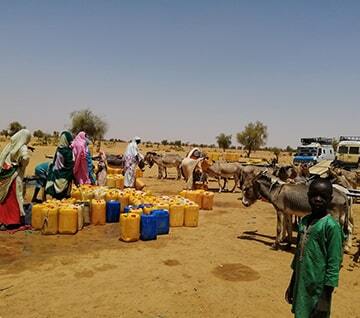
x=224, y=141
x=85, y=120
x=253, y=136
x=38, y=133
x=14, y=127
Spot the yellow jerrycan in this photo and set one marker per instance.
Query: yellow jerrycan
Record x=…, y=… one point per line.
x=176, y=212
x=119, y=181
x=98, y=212
x=36, y=214
x=49, y=218
x=162, y=206
x=137, y=211
x=112, y=195
x=124, y=200
x=191, y=215
x=207, y=201
x=68, y=219
x=139, y=184
x=195, y=196
x=129, y=227
x=110, y=181
x=76, y=193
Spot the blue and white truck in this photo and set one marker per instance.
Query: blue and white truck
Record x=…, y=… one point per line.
x=313, y=150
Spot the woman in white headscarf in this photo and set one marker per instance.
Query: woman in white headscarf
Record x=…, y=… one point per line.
x=132, y=157
x=13, y=161
x=189, y=164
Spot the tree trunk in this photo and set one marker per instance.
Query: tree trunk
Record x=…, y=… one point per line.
x=248, y=153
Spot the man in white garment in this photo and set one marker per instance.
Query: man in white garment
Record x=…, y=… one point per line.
x=132, y=157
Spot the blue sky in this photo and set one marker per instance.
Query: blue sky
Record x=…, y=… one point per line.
x=184, y=70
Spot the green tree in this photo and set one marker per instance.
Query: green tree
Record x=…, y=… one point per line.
x=224, y=141
x=85, y=120
x=38, y=133
x=253, y=136
x=289, y=149
x=4, y=132
x=14, y=127
x=177, y=143
x=164, y=142
x=276, y=151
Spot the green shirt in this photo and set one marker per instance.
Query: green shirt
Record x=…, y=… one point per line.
x=316, y=262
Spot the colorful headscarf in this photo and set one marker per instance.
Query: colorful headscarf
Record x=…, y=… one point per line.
x=10, y=153
x=61, y=170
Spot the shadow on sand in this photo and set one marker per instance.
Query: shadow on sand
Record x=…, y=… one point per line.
x=261, y=238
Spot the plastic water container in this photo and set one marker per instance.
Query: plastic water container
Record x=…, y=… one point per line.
x=183, y=193
x=110, y=181
x=124, y=201
x=139, y=184
x=112, y=195
x=162, y=221
x=128, y=208
x=112, y=211
x=36, y=220
x=176, y=212
x=49, y=218
x=88, y=195
x=100, y=194
x=195, y=196
x=76, y=193
x=148, y=229
x=162, y=206
x=98, y=212
x=118, y=171
x=207, y=201
x=68, y=220
x=191, y=215
x=138, y=173
x=129, y=227
x=119, y=181
x=86, y=212
x=137, y=211
x=80, y=209
x=148, y=208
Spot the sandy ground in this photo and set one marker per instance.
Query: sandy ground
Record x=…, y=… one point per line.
x=223, y=268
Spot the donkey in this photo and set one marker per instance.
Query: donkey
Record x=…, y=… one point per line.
x=163, y=162
x=291, y=199
x=222, y=170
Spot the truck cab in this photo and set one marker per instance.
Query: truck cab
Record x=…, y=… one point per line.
x=348, y=152
x=314, y=150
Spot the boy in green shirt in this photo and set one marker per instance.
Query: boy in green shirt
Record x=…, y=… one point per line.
x=318, y=256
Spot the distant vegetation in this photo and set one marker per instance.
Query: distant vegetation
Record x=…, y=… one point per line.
x=13, y=128
x=85, y=120
x=224, y=141
x=253, y=137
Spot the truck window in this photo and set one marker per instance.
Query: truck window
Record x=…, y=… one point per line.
x=343, y=149
x=354, y=150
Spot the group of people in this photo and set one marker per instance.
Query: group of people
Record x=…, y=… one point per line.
x=72, y=163
x=318, y=257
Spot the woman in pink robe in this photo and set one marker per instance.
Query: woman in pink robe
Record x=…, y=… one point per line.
x=79, y=149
